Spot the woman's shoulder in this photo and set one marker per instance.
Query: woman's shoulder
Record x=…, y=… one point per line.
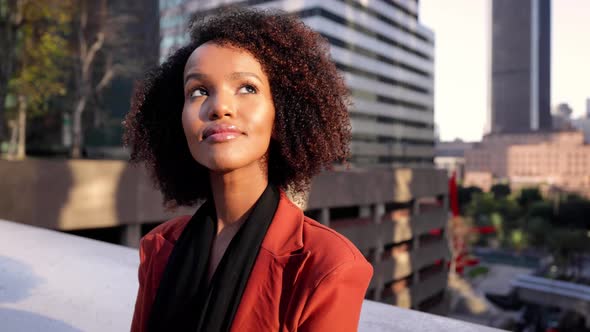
x=168, y=231
x=330, y=249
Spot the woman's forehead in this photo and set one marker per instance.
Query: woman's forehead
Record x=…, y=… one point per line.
x=212, y=58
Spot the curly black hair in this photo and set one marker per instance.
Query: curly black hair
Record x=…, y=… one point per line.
x=311, y=129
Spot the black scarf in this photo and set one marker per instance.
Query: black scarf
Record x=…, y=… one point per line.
x=184, y=301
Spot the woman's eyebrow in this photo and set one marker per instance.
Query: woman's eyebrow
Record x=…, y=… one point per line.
x=232, y=76
x=238, y=75
x=195, y=76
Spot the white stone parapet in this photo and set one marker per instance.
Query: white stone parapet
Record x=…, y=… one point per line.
x=55, y=282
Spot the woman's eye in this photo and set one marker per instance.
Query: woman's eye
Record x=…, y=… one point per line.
x=247, y=89
x=199, y=92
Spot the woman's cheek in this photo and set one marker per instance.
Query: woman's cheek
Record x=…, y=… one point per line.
x=191, y=123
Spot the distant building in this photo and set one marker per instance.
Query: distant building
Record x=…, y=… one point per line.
x=564, y=109
x=451, y=156
x=385, y=54
x=561, y=117
x=483, y=180
x=520, y=87
x=583, y=124
x=559, y=160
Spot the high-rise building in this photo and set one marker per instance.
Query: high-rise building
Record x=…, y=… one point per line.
x=521, y=60
x=385, y=54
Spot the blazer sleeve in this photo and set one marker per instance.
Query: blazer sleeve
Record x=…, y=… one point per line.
x=335, y=303
x=138, y=323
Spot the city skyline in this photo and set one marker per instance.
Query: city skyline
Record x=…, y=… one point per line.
x=462, y=96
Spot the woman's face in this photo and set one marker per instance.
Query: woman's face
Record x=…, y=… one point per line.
x=228, y=112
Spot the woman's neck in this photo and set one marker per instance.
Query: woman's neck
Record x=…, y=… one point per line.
x=235, y=194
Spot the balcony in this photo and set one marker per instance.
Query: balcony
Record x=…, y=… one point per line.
x=55, y=282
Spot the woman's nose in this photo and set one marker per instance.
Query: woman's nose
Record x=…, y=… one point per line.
x=221, y=105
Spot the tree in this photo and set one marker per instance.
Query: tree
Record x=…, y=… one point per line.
x=568, y=247
x=500, y=190
x=11, y=21
x=574, y=214
x=541, y=209
x=41, y=49
x=538, y=230
x=99, y=58
x=518, y=239
x=528, y=196
x=466, y=194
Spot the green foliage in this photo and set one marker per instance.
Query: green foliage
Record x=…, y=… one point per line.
x=498, y=223
x=539, y=229
x=573, y=197
x=526, y=219
x=500, y=190
x=574, y=214
x=541, y=209
x=478, y=271
x=518, y=239
x=466, y=194
x=566, y=245
x=42, y=53
x=481, y=207
x=528, y=196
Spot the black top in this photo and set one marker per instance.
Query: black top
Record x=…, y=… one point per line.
x=185, y=301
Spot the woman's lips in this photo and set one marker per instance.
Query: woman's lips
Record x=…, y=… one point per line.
x=221, y=137
x=221, y=133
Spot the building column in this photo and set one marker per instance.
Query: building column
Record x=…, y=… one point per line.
x=415, y=246
x=325, y=216
x=365, y=211
x=378, y=213
x=130, y=235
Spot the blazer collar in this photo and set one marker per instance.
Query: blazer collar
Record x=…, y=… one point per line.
x=285, y=233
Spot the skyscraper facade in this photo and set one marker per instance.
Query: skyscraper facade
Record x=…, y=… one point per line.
x=521, y=62
x=385, y=55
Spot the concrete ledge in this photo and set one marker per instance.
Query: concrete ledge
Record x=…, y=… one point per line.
x=55, y=282
x=77, y=194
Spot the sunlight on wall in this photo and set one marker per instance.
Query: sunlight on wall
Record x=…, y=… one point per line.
x=94, y=189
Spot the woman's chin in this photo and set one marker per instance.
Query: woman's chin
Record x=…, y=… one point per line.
x=228, y=158
x=224, y=165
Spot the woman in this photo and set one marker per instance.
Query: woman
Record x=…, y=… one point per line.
x=252, y=106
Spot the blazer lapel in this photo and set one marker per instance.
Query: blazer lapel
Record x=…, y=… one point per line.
x=267, y=296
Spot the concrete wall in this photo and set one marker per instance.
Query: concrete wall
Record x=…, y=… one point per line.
x=77, y=194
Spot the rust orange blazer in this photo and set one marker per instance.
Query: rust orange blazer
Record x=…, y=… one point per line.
x=306, y=276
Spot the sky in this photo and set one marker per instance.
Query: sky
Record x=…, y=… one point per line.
x=461, y=30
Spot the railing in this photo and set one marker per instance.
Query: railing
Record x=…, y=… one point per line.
x=544, y=291
x=55, y=282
